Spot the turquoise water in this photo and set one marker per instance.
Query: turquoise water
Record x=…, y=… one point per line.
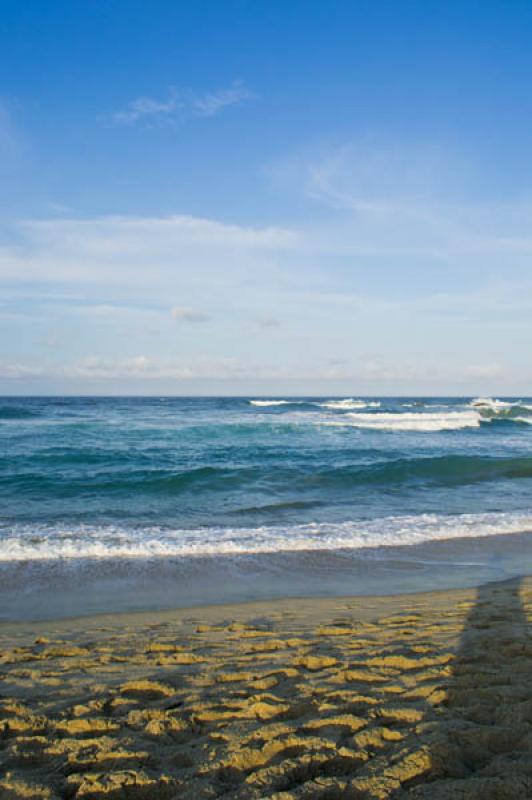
x=133, y=486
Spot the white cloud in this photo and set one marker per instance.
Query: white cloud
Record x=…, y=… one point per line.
x=103, y=310
x=374, y=371
x=484, y=371
x=267, y=321
x=139, y=366
x=397, y=204
x=135, y=250
x=189, y=315
x=440, y=291
x=179, y=106
x=16, y=371
x=147, y=109
x=211, y=103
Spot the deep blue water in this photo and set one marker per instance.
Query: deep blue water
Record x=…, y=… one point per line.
x=143, y=478
x=73, y=466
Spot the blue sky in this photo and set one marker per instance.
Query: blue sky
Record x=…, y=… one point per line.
x=266, y=197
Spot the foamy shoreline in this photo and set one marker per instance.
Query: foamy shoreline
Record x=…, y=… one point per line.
x=32, y=590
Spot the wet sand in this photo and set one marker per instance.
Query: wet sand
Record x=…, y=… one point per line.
x=366, y=698
x=70, y=587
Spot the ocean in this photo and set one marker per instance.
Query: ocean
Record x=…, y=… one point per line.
x=131, y=503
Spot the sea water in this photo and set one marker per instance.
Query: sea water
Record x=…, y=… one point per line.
x=130, y=503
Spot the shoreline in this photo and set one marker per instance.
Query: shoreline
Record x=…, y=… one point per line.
x=423, y=695
x=68, y=589
x=320, y=604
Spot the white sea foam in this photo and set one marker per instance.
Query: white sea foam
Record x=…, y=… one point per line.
x=349, y=403
x=490, y=403
x=498, y=407
x=270, y=402
x=54, y=544
x=490, y=408
x=411, y=421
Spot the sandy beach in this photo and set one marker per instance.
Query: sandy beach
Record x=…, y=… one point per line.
x=426, y=696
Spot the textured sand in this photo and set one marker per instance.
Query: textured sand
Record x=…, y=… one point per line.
x=422, y=696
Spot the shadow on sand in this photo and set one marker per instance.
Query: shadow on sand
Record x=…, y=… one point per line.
x=481, y=746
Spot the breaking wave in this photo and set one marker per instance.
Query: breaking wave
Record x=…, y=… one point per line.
x=56, y=543
x=349, y=404
x=412, y=421
x=417, y=416
x=346, y=404
x=490, y=408
x=266, y=403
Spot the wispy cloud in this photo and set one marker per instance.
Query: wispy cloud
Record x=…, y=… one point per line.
x=138, y=366
x=405, y=209
x=211, y=103
x=179, y=106
x=189, y=315
x=369, y=372
x=438, y=281
x=147, y=109
x=136, y=250
x=266, y=321
x=484, y=371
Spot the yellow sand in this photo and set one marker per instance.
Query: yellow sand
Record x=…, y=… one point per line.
x=422, y=696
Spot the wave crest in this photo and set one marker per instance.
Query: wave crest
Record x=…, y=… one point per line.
x=490, y=408
x=266, y=403
x=412, y=421
x=349, y=403
x=25, y=543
